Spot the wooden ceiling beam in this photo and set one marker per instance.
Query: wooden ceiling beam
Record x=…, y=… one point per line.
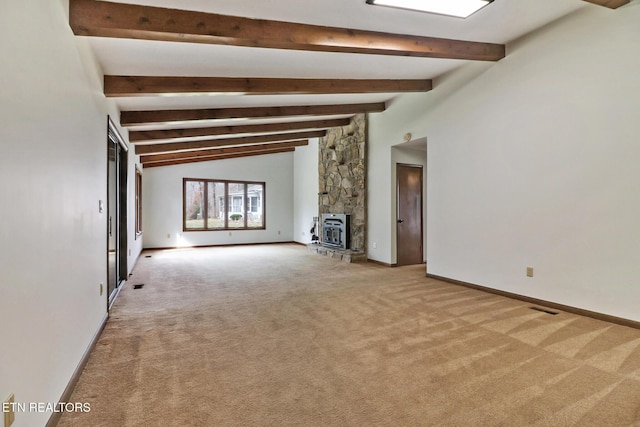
x=611, y=4
x=121, y=86
x=107, y=19
x=221, y=157
x=220, y=151
x=222, y=142
x=150, y=135
x=134, y=118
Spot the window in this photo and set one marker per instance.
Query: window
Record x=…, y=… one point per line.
x=222, y=205
x=138, y=202
x=253, y=204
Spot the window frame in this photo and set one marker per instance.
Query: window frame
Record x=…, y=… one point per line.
x=138, y=202
x=227, y=201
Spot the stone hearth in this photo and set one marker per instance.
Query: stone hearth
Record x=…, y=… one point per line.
x=340, y=254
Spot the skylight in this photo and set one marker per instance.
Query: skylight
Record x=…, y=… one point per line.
x=457, y=8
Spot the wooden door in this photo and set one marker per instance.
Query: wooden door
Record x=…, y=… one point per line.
x=409, y=214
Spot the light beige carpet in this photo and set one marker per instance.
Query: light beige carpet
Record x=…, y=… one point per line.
x=275, y=336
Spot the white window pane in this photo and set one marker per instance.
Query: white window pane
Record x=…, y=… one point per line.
x=194, y=205
x=235, y=199
x=255, y=214
x=215, y=205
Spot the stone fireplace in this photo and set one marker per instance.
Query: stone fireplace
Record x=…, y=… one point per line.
x=342, y=189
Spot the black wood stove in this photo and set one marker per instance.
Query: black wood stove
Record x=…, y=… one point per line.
x=336, y=231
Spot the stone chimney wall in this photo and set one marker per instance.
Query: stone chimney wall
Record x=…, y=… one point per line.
x=343, y=172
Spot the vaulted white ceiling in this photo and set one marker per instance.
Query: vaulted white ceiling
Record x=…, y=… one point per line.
x=502, y=22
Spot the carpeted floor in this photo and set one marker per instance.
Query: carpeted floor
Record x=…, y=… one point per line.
x=272, y=335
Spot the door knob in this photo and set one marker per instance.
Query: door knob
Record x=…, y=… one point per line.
x=400, y=221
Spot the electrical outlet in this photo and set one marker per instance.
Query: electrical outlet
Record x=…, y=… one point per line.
x=168, y=235
x=529, y=271
x=375, y=245
x=8, y=409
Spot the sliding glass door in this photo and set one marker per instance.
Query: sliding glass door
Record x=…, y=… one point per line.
x=117, y=212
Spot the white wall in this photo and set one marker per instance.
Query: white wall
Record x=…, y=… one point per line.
x=381, y=136
x=404, y=114
x=532, y=161
x=53, y=126
x=162, y=201
x=305, y=190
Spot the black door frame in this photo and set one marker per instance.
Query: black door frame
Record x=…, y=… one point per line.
x=120, y=222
